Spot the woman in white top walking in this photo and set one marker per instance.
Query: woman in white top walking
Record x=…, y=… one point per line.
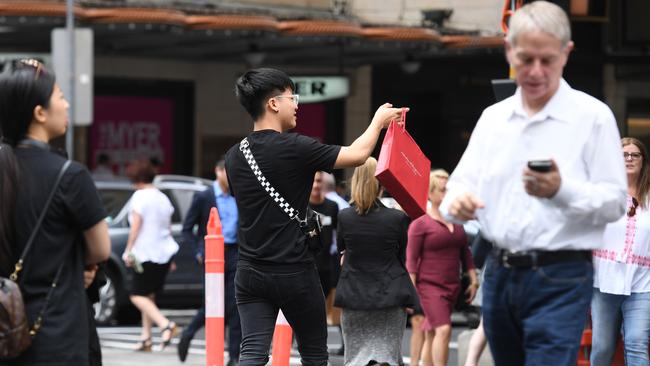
x=621, y=301
x=150, y=244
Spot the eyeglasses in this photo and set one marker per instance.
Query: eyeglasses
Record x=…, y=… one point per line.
x=294, y=97
x=29, y=62
x=632, y=211
x=633, y=155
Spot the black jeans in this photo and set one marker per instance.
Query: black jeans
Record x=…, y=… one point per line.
x=261, y=293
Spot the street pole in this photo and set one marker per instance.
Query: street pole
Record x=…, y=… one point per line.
x=69, y=24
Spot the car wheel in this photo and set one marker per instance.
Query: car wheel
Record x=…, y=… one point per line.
x=106, y=307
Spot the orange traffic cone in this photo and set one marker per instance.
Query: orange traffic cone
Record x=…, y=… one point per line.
x=282, y=338
x=214, y=291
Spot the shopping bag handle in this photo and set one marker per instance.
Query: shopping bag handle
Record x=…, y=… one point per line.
x=402, y=120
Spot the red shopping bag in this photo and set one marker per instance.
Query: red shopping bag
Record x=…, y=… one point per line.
x=403, y=169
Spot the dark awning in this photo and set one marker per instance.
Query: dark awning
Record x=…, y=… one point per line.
x=211, y=35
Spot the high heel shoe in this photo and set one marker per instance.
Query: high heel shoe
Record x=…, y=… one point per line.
x=172, y=329
x=144, y=345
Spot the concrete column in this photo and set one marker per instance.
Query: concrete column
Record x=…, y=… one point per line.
x=358, y=108
x=615, y=95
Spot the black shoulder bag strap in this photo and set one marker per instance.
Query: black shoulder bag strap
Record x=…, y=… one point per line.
x=19, y=265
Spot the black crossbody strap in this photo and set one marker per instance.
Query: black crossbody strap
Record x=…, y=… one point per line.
x=39, y=319
x=30, y=241
x=39, y=222
x=275, y=195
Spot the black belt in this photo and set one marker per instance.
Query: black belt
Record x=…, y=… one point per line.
x=538, y=258
x=230, y=245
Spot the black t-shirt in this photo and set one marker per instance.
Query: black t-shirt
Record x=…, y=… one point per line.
x=266, y=234
x=76, y=207
x=329, y=212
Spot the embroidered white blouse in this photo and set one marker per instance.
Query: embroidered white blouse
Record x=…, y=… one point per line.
x=622, y=266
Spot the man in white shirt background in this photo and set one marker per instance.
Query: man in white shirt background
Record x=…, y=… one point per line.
x=329, y=188
x=545, y=222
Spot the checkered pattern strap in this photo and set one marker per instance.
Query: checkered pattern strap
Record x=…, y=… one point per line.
x=284, y=205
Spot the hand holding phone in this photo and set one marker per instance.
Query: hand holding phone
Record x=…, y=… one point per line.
x=541, y=178
x=540, y=166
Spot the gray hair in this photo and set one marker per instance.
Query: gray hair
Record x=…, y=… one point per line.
x=540, y=16
x=329, y=182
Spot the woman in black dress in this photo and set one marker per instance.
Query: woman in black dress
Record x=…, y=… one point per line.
x=73, y=234
x=374, y=288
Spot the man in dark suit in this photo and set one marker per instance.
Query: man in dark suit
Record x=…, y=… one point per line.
x=216, y=196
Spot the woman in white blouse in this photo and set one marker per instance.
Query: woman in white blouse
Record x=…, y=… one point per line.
x=149, y=250
x=621, y=301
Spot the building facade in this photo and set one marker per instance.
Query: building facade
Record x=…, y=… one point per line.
x=164, y=71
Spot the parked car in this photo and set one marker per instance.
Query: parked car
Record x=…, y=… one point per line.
x=184, y=286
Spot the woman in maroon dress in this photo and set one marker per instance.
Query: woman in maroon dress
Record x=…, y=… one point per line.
x=433, y=260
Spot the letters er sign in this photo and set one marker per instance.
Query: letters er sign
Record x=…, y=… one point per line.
x=314, y=89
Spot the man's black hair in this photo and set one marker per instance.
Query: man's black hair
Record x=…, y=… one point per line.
x=256, y=86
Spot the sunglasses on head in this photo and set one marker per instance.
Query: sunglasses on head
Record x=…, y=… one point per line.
x=32, y=63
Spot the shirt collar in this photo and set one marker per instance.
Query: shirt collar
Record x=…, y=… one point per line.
x=217, y=189
x=558, y=107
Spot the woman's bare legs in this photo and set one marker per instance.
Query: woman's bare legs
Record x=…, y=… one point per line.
x=476, y=346
x=441, y=338
x=147, y=306
x=417, y=338
x=146, y=327
x=427, y=350
x=151, y=314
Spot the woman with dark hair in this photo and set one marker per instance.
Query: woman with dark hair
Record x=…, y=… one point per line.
x=73, y=234
x=621, y=299
x=374, y=289
x=149, y=249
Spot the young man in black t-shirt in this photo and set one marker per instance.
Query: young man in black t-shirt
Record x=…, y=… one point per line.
x=276, y=271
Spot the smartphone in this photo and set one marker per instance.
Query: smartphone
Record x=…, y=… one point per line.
x=541, y=166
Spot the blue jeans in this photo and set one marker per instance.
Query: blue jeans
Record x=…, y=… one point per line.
x=261, y=293
x=536, y=316
x=615, y=314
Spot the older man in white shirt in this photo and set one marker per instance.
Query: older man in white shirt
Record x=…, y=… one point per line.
x=543, y=224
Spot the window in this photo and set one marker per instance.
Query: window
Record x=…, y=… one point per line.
x=638, y=120
x=183, y=198
x=114, y=200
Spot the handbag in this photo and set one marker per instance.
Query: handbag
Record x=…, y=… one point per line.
x=310, y=225
x=461, y=301
x=404, y=169
x=15, y=333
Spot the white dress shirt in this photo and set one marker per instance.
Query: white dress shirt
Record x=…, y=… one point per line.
x=340, y=201
x=622, y=266
x=576, y=130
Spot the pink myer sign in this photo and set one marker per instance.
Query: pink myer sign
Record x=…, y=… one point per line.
x=130, y=128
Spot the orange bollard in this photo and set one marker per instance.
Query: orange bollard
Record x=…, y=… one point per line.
x=585, y=348
x=214, y=291
x=282, y=338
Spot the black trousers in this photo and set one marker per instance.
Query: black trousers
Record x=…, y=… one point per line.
x=94, y=347
x=231, y=315
x=298, y=293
